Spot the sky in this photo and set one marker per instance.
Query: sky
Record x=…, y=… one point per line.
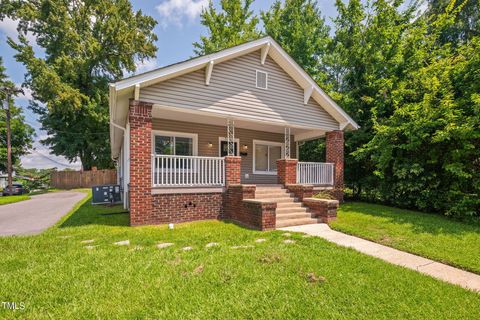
x=178, y=27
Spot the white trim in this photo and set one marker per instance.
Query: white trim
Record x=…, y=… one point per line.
x=307, y=93
x=264, y=53
x=256, y=79
x=193, y=136
x=208, y=72
x=136, y=94
x=220, y=139
x=268, y=143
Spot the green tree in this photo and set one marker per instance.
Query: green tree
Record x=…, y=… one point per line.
x=85, y=45
x=21, y=133
x=233, y=25
x=297, y=25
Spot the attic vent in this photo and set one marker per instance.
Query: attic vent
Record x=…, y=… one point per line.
x=262, y=78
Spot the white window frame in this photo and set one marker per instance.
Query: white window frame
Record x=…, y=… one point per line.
x=220, y=139
x=193, y=136
x=268, y=143
x=256, y=79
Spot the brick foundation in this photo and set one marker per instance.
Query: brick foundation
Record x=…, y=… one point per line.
x=287, y=171
x=140, y=118
x=325, y=210
x=183, y=207
x=300, y=191
x=259, y=214
x=334, y=154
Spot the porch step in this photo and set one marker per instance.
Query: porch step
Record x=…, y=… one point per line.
x=273, y=195
x=284, y=205
x=294, y=215
x=279, y=200
x=295, y=222
x=287, y=210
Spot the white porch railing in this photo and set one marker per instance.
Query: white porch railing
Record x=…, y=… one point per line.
x=315, y=173
x=178, y=171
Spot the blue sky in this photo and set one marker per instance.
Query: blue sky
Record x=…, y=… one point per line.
x=178, y=27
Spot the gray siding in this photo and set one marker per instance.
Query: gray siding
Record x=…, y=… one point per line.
x=232, y=91
x=208, y=133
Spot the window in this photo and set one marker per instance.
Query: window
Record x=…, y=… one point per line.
x=265, y=156
x=174, y=143
x=262, y=79
x=223, y=147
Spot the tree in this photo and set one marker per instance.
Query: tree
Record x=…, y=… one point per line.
x=86, y=45
x=234, y=25
x=297, y=25
x=21, y=133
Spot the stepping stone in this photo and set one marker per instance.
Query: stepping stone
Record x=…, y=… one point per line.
x=241, y=247
x=287, y=234
x=260, y=240
x=64, y=237
x=187, y=248
x=211, y=244
x=87, y=241
x=122, y=243
x=90, y=247
x=288, y=241
x=136, y=248
x=164, y=245
x=306, y=236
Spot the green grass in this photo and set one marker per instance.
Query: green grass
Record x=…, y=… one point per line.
x=57, y=277
x=13, y=199
x=429, y=235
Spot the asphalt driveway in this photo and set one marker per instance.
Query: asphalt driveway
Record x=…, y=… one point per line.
x=37, y=214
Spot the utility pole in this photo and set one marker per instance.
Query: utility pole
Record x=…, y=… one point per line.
x=9, y=91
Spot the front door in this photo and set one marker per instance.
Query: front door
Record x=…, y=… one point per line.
x=224, y=148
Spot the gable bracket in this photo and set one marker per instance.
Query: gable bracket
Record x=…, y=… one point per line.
x=208, y=72
x=136, y=93
x=307, y=93
x=265, y=53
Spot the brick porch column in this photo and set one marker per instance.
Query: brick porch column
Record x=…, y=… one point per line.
x=334, y=154
x=232, y=170
x=287, y=171
x=140, y=118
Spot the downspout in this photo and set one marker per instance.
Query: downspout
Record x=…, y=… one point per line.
x=119, y=127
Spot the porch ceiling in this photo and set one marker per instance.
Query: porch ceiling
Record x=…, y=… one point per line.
x=217, y=119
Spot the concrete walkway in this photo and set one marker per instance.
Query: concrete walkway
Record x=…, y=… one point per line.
x=37, y=214
x=432, y=268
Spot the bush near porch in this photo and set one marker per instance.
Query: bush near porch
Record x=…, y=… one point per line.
x=57, y=277
x=430, y=235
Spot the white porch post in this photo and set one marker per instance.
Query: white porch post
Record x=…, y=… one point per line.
x=287, y=144
x=231, y=137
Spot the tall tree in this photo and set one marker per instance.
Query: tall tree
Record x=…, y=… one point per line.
x=297, y=25
x=233, y=25
x=21, y=133
x=86, y=45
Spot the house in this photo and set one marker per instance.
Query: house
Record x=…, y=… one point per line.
x=217, y=136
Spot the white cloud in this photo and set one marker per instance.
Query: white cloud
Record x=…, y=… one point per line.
x=176, y=11
x=41, y=158
x=9, y=28
x=27, y=93
x=146, y=65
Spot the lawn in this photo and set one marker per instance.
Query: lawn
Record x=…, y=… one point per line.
x=13, y=199
x=55, y=276
x=429, y=235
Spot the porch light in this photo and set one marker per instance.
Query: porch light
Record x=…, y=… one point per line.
x=245, y=147
x=210, y=144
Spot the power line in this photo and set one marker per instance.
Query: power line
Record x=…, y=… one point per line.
x=52, y=160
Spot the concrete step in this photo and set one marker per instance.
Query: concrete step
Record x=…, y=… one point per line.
x=271, y=192
x=284, y=205
x=273, y=196
x=293, y=215
x=279, y=200
x=295, y=222
x=283, y=210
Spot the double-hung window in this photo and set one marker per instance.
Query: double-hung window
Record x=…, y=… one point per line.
x=265, y=156
x=175, y=144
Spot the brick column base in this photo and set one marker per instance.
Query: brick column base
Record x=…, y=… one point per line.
x=300, y=191
x=140, y=118
x=323, y=209
x=287, y=171
x=232, y=170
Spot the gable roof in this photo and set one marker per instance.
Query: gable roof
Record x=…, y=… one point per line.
x=268, y=46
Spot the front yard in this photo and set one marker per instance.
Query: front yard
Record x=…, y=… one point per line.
x=429, y=235
x=12, y=199
x=55, y=275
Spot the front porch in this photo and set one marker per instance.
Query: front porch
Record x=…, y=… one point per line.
x=242, y=170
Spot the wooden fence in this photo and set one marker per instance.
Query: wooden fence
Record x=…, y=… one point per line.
x=82, y=179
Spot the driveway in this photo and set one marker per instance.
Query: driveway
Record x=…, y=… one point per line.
x=37, y=214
